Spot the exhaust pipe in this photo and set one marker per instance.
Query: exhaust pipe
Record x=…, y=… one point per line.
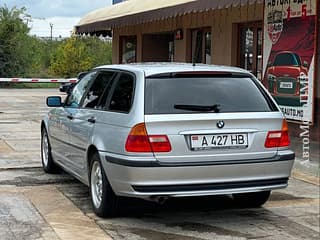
x=159, y=199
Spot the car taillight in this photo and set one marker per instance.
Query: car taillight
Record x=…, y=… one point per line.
x=278, y=138
x=139, y=141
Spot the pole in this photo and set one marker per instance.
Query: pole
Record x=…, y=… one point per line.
x=51, y=26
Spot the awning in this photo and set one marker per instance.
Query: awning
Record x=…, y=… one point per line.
x=133, y=12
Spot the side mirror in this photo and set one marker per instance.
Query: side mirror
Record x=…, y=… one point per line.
x=269, y=64
x=305, y=64
x=54, y=101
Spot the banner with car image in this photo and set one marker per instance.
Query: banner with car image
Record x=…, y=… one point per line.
x=288, y=55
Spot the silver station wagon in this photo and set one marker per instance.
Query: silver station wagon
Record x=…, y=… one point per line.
x=162, y=130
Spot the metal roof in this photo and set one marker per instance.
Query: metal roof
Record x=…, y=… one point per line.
x=159, y=68
x=140, y=11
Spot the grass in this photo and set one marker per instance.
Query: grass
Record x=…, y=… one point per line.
x=30, y=85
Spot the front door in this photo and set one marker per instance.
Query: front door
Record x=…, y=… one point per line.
x=84, y=118
x=70, y=110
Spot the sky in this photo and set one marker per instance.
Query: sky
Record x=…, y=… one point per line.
x=62, y=14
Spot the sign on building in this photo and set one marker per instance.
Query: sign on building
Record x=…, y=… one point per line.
x=289, y=55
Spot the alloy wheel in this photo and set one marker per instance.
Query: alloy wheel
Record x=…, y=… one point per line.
x=45, y=149
x=96, y=184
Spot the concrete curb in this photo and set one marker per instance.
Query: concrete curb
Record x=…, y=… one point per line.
x=305, y=177
x=307, y=167
x=63, y=216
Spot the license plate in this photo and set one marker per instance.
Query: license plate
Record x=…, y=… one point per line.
x=286, y=85
x=235, y=140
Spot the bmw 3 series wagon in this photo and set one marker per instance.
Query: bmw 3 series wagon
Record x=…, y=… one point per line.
x=162, y=130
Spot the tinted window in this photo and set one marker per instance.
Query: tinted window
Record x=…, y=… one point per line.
x=77, y=92
x=229, y=94
x=122, y=96
x=97, y=89
x=287, y=59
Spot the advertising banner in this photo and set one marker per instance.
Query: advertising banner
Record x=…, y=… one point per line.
x=289, y=55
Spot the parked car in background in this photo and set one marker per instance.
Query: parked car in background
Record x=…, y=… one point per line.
x=162, y=130
x=67, y=87
x=284, y=76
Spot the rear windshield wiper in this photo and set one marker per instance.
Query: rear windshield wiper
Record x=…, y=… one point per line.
x=199, y=108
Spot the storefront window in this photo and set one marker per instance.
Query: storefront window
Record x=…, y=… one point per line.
x=259, y=53
x=250, y=48
x=197, y=46
x=128, y=49
x=201, y=46
x=247, y=49
x=207, y=49
x=171, y=51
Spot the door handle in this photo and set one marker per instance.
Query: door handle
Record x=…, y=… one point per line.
x=70, y=117
x=92, y=120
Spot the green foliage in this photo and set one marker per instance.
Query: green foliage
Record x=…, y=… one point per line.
x=13, y=35
x=78, y=54
x=33, y=85
x=99, y=49
x=40, y=60
x=22, y=55
x=70, y=58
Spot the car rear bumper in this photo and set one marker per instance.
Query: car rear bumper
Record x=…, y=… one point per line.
x=148, y=179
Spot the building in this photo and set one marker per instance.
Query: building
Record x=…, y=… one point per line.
x=276, y=40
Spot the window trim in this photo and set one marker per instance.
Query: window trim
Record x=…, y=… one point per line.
x=113, y=87
x=113, y=78
x=273, y=107
x=82, y=97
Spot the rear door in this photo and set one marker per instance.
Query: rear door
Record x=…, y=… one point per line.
x=210, y=117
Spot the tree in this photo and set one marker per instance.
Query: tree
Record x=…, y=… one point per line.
x=14, y=57
x=78, y=54
x=41, y=50
x=100, y=49
x=70, y=58
x=22, y=55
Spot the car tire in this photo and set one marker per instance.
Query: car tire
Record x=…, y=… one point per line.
x=253, y=199
x=104, y=201
x=48, y=165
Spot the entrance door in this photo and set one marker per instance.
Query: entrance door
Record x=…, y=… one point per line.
x=250, y=48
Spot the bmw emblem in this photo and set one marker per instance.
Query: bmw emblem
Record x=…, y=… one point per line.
x=220, y=124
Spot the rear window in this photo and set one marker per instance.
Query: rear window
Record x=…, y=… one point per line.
x=171, y=95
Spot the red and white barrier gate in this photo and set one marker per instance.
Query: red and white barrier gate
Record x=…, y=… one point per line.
x=38, y=80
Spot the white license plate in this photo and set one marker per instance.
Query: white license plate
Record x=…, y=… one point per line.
x=219, y=141
x=286, y=85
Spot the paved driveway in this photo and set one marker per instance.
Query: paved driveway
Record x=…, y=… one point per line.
x=35, y=205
